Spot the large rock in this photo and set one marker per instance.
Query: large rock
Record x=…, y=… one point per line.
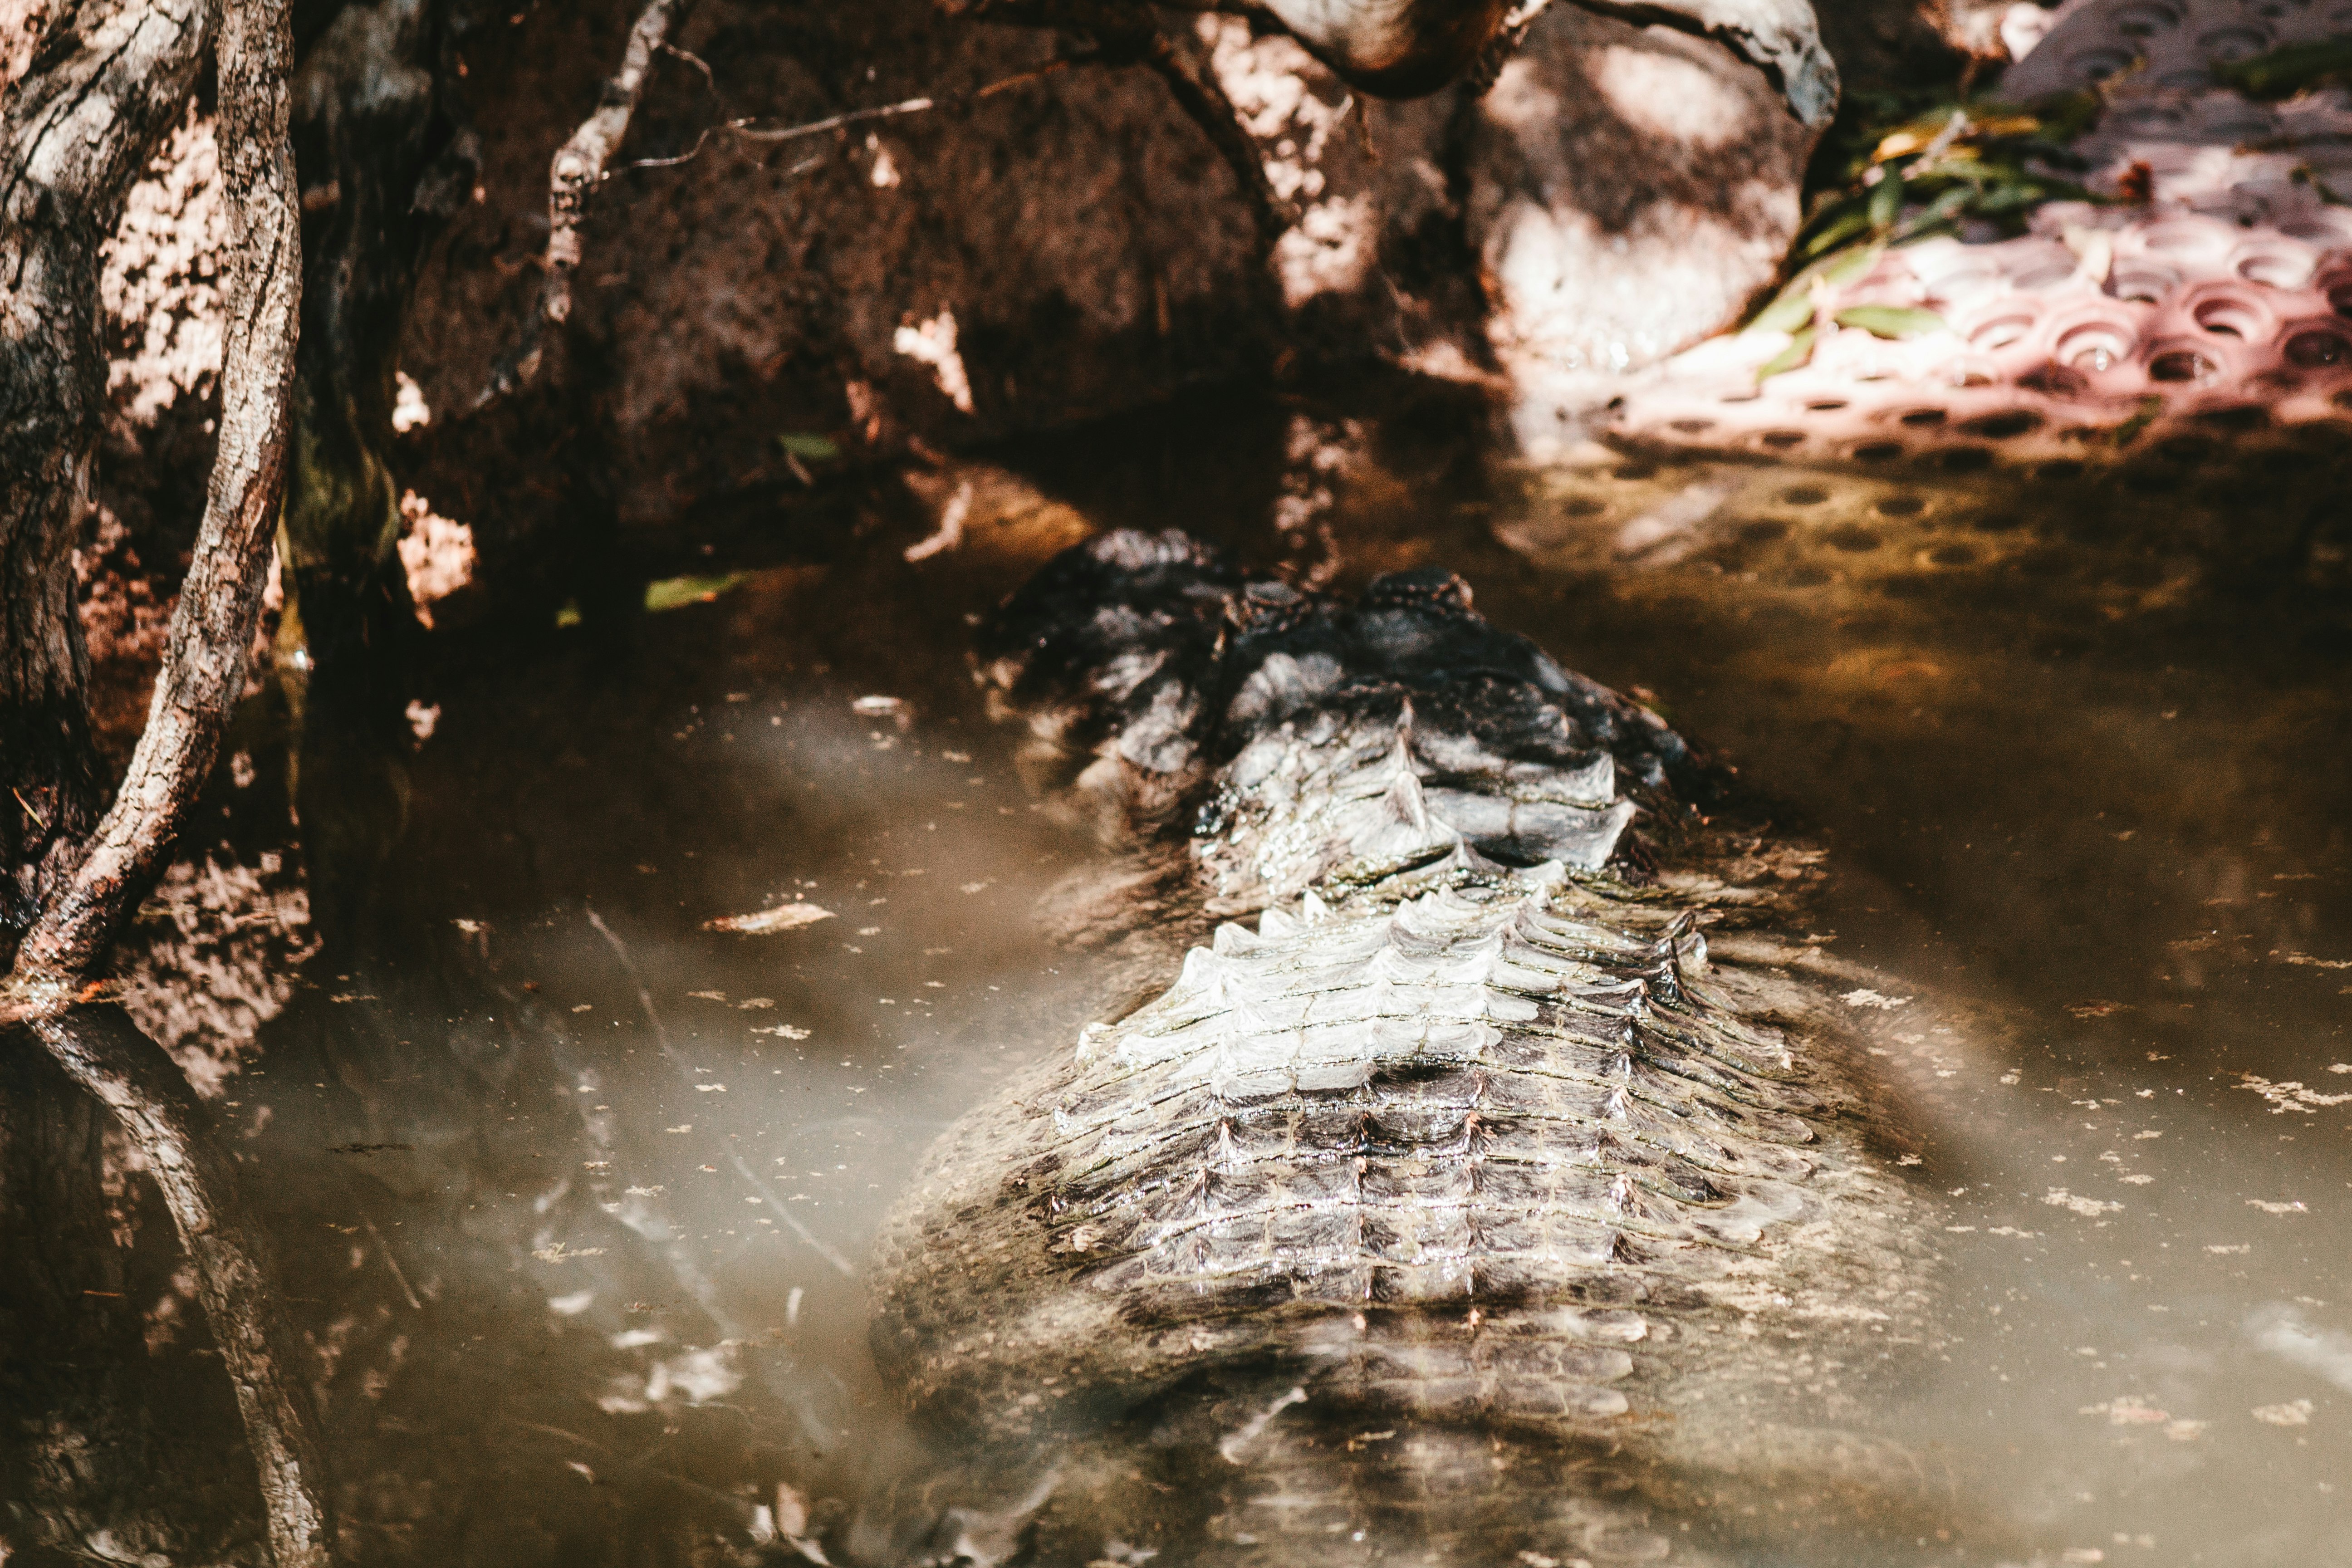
x=1629, y=191
x=1073, y=245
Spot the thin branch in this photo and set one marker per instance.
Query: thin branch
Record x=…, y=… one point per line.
x=834, y=123
x=579, y=165
x=107, y=1056
x=750, y=129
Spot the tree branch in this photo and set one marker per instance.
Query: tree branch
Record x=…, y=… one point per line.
x=1203, y=97
x=203, y=673
x=107, y=1056
x=75, y=135
x=80, y=138
x=1127, y=34
x=579, y=165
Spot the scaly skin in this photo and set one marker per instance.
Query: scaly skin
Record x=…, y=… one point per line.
x=1462, y=1208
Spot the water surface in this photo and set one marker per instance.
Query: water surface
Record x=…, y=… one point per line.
x=571, y=1193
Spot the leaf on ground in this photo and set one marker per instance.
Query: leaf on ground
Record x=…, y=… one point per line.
x=2283, y=73
x=767, y=922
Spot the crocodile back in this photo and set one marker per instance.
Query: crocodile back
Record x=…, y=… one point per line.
x=1465, y=1131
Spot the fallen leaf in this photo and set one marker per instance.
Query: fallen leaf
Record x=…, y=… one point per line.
x=783, y=917
x=1872, y=999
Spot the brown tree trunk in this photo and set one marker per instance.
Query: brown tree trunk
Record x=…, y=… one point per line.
x=79, y=131
x=220, y=602
x=109, y=81
x=106, y=1057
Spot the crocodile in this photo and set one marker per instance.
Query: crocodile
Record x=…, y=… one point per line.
x=1459, y=1199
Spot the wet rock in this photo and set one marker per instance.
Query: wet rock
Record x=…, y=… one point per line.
x=1629, y=191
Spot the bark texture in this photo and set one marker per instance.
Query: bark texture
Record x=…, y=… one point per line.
x=79, y=135
x=579, y=165
x=105, y=85
x=205, y=663
x=110, y=1060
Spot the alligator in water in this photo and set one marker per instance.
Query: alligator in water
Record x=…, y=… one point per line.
x=1469, y=1205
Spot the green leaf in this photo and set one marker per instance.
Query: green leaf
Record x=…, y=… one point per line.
x=1798, y=352
x=1886, y=201
x=1852, y=221
x=676, y=592
x=1849, y=266
x=807, y=447
x=1792, y=310
x=1940, y=211
x=1891, y=321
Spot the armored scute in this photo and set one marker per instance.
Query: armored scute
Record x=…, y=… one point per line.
x=1462, y=1208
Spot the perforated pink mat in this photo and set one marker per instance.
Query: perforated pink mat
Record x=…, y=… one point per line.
x=2214, y=320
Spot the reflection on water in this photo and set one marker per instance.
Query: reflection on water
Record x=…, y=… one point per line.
x=570, y=1192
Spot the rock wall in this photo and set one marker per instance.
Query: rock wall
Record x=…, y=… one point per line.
x=1072, y=245
x=1049, y=243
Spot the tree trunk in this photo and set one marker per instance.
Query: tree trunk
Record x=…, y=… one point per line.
x=106, y=85
x=79, y=131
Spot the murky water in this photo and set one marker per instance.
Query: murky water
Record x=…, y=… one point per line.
x=572, y=1193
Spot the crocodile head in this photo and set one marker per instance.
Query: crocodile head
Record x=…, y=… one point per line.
x=1405, y=48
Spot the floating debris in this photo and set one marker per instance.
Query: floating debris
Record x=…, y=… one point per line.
x=560, y=1253
x=2291, y=1095
x=2090, y=1208
x=767, y=922
x=895, y=709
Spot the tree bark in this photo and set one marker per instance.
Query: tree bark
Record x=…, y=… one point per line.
x=79, y=132
x=579, y=165
x=204, y=667
x=107, y=1056
x=106, y=86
